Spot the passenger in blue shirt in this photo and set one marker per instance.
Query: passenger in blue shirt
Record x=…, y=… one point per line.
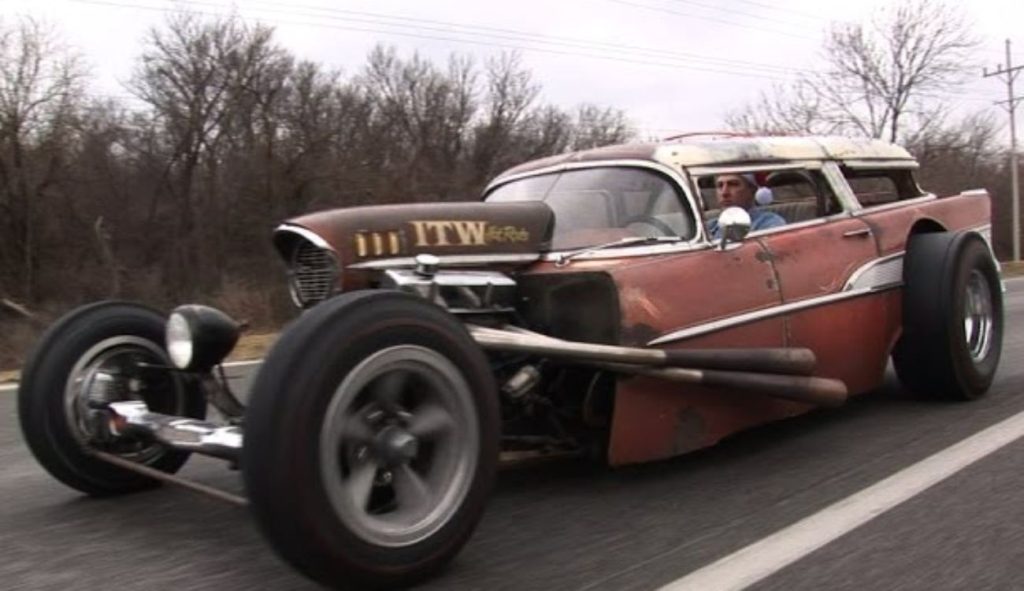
x=738, y=190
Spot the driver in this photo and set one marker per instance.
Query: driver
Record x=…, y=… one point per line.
x=739, y=190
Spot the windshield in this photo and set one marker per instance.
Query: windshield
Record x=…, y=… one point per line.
x=600, y=205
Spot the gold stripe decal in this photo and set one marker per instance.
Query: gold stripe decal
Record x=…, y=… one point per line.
x=434, y=233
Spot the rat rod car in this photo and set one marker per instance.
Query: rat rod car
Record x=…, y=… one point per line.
x=582, y=307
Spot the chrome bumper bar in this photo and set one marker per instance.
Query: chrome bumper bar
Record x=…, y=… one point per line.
x=219, y=441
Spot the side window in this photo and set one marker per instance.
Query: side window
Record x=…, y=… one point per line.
x=797, y=195
x=874, y=187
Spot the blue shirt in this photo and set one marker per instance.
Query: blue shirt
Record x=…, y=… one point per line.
x=760, y=219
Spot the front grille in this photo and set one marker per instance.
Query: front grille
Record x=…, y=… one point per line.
x=313, y=274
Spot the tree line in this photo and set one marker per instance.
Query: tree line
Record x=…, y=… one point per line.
x=172, y=195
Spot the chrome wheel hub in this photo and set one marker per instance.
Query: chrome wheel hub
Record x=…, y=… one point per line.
x=108, y=372
x=978, y=316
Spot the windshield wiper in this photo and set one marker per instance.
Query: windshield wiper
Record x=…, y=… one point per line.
x=566, y=257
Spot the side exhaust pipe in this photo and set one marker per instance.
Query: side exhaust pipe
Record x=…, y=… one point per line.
x=779, y=372
x=811, y=390
x=789, y=361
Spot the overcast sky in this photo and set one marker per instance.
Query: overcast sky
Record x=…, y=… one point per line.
x=672, y=65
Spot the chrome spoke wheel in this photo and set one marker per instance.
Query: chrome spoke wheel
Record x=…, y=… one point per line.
x=399, y=445
x=978, y=316
x=113, y=370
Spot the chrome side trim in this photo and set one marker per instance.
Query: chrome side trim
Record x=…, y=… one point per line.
x=754, y=316
x=876, y=276
x=879, y=274
x=455, y=260
x=629, y=251
x=306, y=233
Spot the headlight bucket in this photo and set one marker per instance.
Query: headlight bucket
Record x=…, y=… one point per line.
x=199, y=337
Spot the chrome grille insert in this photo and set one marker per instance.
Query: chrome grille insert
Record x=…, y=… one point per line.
x=313, y=274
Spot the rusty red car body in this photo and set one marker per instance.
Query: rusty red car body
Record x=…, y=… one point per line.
x=599, y=303
x=794, y=286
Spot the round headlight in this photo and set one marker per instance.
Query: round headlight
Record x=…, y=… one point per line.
x=179, y=340
x=199, y=337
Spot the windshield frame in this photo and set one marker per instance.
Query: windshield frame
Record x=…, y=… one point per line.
x=678, y=180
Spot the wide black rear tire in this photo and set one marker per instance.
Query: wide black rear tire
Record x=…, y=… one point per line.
x=952, y=317
x=111, y=338
x=348, y=379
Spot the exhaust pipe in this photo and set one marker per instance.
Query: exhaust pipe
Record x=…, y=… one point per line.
x=788, y=361
x=810, y=390
x=182, y=433
x=779, y=372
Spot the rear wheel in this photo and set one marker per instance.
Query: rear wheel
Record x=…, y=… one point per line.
x=95, y=355
x=371, y=440
x=952, y=317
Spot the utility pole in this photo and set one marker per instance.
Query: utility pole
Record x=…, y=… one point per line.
x=1010, y=71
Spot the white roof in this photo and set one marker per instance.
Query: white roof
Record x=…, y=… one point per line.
x=705, y=151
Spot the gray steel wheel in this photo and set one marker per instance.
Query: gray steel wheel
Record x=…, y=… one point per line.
x=978, y=316
x=371, y=440
x=399, y=444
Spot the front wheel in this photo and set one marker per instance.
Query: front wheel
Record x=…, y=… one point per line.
x=95, y=355
x=371, y=440
x=952, y=317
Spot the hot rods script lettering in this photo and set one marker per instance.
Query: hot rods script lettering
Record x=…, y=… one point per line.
x=429, y=233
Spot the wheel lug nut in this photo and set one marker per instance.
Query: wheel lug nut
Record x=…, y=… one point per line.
x=362, y=453
x=386, y=477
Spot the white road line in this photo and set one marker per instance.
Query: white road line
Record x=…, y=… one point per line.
x=8, y=387
x=761, y=559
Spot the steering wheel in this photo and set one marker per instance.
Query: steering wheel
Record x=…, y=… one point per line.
x=659, y=225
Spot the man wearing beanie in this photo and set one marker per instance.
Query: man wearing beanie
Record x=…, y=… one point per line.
x=739, y=190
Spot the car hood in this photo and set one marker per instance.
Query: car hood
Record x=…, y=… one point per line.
x=363, y=234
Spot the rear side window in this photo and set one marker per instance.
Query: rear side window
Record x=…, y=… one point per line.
x=881, y=186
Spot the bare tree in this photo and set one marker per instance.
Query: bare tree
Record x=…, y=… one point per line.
x=41, y=86
x=595, y=127
x=200, y=79
x=878, y=75
x=510, y=94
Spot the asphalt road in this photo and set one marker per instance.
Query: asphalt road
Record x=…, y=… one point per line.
x=567, y=526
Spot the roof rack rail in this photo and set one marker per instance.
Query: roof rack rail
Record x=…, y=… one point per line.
x=714, y=135
x=695, y=134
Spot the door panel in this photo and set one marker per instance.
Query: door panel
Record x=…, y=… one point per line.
x=657, y=419
x=850, y=336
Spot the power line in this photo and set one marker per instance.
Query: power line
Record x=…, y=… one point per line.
x=717, y=69
x=568, y=41
x=707, y=18
x=706, y=64
x=742, y=12
x=783, y=9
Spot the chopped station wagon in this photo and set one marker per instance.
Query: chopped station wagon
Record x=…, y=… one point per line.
x=603, y=303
